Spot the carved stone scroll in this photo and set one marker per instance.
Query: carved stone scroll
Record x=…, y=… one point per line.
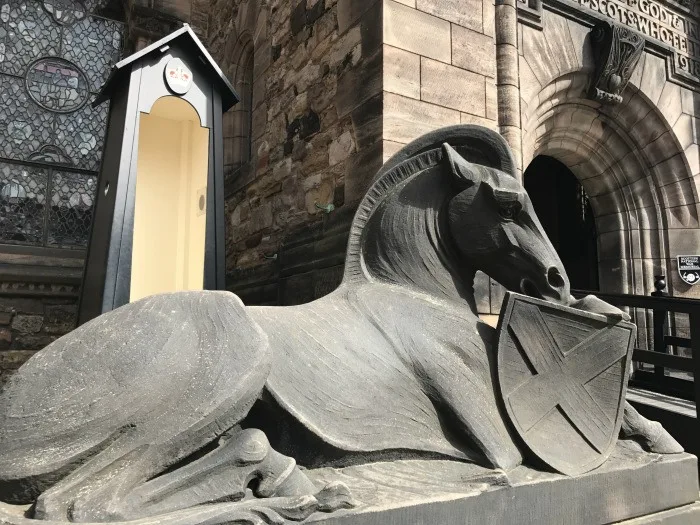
x=617, y=51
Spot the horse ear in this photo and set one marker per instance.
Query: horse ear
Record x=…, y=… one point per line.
x=463, y=171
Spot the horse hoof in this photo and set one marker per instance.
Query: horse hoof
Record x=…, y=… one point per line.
x=335, y=496
x=661, y=442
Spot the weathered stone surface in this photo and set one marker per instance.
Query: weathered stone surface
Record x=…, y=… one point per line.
x=5, y=338
x=473, y=51
x=489, y=17
x=27, y=324
x=10, y=361
x=358, y=85
x=491, y=100
x=361, y=168
x=670, y=104
x=34, y=341
x=349, y=11
x=341, y=148
x=21, y=305
x=452, y=491
x=261, y=216
x=467, y=13
x=467, y=118
x=416, y=31
x=316, y=64
x=401, y=72
x=367, y=122
x=406, y=119
x=389, y=148
x=452, y=87
x=61, y=314
x=653, y=77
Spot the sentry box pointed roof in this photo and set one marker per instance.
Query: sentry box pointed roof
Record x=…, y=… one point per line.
x=185, y=38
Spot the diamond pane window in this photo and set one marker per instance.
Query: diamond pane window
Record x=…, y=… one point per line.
x=93, y=44
x=81, y=135
x=54, y=56
x=22, y=204
x=71, y=209
x=28, y=33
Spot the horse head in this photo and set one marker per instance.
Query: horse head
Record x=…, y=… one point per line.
x=495, y=228
x=449, y=204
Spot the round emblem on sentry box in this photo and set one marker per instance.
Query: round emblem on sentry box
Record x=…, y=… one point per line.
x=178, y=76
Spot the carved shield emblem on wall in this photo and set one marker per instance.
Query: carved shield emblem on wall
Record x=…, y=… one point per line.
x=563, y=377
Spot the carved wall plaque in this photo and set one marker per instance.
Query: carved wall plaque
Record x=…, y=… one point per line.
x=617, y=50
x=671, y=28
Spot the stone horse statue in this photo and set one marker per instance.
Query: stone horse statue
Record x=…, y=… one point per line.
x=189, y=407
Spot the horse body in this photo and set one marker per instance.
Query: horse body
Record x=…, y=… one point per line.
x=371, y=367
x=131, y=415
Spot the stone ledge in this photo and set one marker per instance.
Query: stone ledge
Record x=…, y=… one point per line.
x=680, y=516
x=632, y=484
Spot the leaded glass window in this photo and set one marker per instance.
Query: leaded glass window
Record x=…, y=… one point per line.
x=54, y=57
x=45, y=207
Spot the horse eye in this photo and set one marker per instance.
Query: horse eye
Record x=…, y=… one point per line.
x=508, y=212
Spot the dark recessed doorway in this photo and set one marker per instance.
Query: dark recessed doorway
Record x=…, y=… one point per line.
x=566, y=216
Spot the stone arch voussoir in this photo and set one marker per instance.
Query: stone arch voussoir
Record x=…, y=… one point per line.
x=628, y=161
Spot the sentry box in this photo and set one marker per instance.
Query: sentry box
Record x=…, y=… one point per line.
x=159, y=213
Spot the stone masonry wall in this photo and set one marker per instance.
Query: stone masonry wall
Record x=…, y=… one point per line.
x=440, y=70
x=439, y=67
x=316, y=131
x=28, y=324
x=339, y=86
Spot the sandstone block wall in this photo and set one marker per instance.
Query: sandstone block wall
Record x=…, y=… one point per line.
x=316, y=139
x=439, y=70
x=338, y=87
x=638, y=161
x=439, y=67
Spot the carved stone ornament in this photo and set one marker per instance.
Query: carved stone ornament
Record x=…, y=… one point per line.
x=190, y=408
x=617, y=50
x=563, y=376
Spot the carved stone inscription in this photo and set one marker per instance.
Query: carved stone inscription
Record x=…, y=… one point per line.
x=660, y=22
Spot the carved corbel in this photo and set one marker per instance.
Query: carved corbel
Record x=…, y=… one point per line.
x=616, y=50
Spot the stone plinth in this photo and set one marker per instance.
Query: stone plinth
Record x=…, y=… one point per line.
x=632, y=485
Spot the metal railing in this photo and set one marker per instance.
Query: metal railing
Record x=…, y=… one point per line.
x=664, y=377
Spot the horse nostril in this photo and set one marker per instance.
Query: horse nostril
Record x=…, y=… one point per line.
x=554, y=278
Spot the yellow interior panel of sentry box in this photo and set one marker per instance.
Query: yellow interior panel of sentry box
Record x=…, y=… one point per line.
x=170, y=202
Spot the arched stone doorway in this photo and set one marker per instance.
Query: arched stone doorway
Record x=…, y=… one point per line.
x=630, y=164
x=565, y=213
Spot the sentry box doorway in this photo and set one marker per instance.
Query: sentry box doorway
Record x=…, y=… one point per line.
x=159, y=212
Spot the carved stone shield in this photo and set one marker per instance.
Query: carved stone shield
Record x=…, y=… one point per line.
x=563, y=377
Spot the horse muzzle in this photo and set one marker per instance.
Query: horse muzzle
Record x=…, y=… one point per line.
x=553, y=286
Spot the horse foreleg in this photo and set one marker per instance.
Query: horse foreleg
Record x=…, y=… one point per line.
x=114, y=485
x=649, y=434
x=242, y=460
x=462, y=380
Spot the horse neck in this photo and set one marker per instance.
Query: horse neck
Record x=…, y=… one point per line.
x=407, y=243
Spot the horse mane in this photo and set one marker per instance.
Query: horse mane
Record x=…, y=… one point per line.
x=398, y=233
